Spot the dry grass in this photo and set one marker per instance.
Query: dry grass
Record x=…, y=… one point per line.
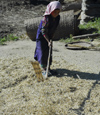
x=21, y=94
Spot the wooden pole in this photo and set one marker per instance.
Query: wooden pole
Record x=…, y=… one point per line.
x=85, y=36
x=48, y=64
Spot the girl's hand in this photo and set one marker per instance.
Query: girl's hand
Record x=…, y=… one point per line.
x=49, y=43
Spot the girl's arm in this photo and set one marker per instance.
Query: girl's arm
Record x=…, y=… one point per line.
x=44, y=29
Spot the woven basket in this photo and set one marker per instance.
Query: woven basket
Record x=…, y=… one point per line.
x=65, y=28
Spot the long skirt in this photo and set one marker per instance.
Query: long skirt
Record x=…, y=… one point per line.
x=42, y=52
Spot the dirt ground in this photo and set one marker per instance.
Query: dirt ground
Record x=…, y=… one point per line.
x=13, y=13
x=74, y=90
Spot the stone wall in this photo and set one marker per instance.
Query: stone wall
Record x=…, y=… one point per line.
x=90, y=10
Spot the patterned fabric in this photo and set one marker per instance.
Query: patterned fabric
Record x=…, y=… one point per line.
x=45, y=23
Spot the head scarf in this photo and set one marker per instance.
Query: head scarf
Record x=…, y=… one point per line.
x=52, y=6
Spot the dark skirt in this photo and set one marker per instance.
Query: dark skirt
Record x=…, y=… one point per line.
x=42, y=52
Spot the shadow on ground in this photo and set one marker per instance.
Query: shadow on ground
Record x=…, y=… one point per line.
x=34, y=2
x=76, y=74
x=82, y=75
x=87, y=31
x=80, y=110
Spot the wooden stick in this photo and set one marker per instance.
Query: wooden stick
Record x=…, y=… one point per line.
x=48, y=60
x=89, y=48
x=86, y=35
x=78, y=76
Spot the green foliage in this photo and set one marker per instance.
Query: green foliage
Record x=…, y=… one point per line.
x=92, y=24
x=10, y=37
x=69, y=40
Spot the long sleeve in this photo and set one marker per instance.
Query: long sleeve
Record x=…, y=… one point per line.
x=44, y=29
x=49, y=26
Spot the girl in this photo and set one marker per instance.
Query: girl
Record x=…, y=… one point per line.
x=45, y=33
